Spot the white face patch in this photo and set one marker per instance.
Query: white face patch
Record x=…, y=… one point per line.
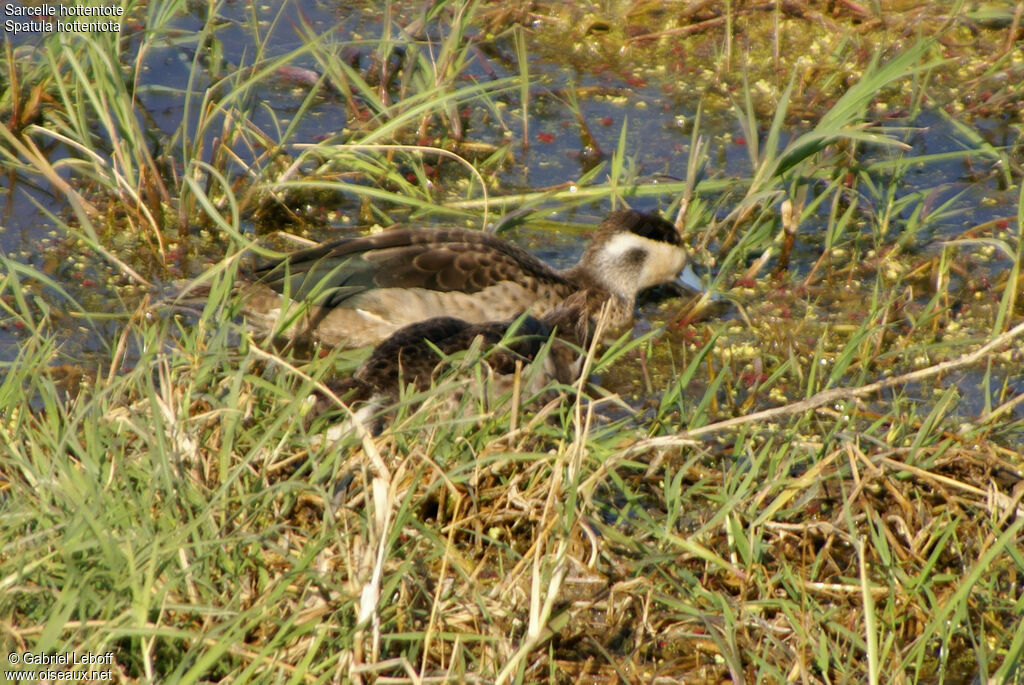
x=664, y=262
x=621, y=243
x=626, y=275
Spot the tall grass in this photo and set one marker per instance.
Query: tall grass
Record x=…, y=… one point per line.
x=798, y=499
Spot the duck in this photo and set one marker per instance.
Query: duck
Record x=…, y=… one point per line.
x=357, y=292
x=416, y=355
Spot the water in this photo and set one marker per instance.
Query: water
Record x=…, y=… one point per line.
x=656, y=109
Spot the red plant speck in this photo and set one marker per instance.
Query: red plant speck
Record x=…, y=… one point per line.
x=689, y=333
x=546, y=137
x=752, y=378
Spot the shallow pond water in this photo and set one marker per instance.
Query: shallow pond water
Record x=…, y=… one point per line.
x=651, y=108
x=697, y=523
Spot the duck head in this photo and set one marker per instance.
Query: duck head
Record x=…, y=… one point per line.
x=630, y=252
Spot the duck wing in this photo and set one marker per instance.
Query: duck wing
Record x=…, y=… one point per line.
x=434, y=259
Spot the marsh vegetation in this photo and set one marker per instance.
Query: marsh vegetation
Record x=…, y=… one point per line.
x=821, y=482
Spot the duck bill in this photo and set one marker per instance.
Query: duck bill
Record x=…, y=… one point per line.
x=689, y=280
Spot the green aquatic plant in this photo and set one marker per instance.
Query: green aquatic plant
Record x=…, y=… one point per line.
x=816, y=486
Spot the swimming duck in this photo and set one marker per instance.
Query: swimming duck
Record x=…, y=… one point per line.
x=359, y=291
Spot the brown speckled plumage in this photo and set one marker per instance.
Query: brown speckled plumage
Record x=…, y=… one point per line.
x=416, y=355
x=359, y=291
